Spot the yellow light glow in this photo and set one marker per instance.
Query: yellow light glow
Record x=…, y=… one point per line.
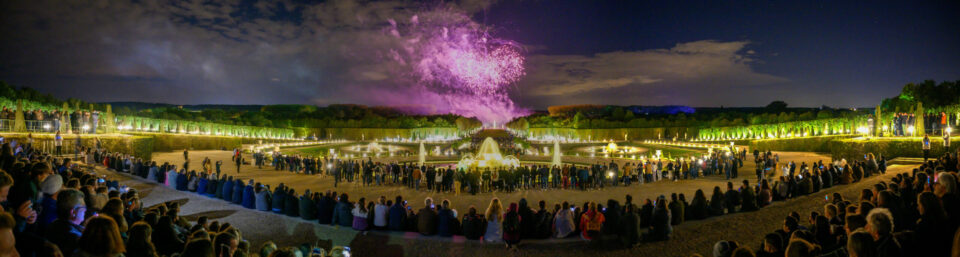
x=612, y=147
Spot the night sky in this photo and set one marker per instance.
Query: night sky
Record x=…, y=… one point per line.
x=697, y=53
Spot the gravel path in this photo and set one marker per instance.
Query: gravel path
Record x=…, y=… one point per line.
x=690, y=237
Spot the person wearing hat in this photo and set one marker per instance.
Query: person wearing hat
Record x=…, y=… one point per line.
x=49, y=187
x=724, y=248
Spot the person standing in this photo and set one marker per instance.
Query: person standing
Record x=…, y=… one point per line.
x=239, y=162
x=926, y=147
x=96, y=119
x=58, y=143
x=946, y=141
x=77, y=146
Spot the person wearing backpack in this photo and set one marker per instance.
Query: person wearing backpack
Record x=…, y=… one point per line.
x=511, y=226
x=529, y=225
x=473, y=224
x=544, y=221
x=591, y=222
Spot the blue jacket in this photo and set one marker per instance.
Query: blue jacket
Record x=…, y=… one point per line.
x=343, y=215
x=181, y=182
x=212, y=188
x=396, y=217
x=446, y=222
x=237, y=192
x=49, y=213
x=227, y=191
x=249, y=198
x=202, y=185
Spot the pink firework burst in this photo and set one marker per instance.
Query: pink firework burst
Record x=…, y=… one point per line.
x=455, y=59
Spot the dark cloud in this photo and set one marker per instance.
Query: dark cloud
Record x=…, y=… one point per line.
x=271, y=52
x=204, y=52
x=695, y=67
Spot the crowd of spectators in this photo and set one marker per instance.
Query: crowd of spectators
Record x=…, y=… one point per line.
x=602, y=223
x=81, y=122
x=57, y=206
x=913, y=214
x=53, y=206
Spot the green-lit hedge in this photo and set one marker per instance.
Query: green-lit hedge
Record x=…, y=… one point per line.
x=614, y=134
x=381, y=133
x=853, y=149
x=177, y=142
x=796, y=128
x=178, y=126
x=800, y=144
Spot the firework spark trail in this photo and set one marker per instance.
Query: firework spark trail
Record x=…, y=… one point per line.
x=458, y=63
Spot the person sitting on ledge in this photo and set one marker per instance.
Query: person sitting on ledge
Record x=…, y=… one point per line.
x=308, y=209
x=279, y=195
x=427, y=218
x=202, y=183
x=473, y=224
x=291, y=203
x=398, y=215
x=238, y=187
x=447, y=224
x=731, y=198
x=227, y=192
x=262, y=197
x=749, y=197
x=325, y=208
x=249, y=197
x=660, y=228
x=342, y=214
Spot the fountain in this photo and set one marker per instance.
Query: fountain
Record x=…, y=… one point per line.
x=611, y=147
x=374, y=147
x=488, y=156
x=556, y=154
x=422, y=158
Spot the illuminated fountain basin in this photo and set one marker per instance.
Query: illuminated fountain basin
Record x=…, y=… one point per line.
x=611, y=150
x=373, y=149
x=488, y=156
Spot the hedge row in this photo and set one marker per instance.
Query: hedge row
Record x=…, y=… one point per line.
x=802, y=144
x=614, y=134
x=853, y=149
x=177, y=142
x=381, y=133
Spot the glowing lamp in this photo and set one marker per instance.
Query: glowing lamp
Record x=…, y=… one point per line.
x=46, y=126
x=949, y=130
